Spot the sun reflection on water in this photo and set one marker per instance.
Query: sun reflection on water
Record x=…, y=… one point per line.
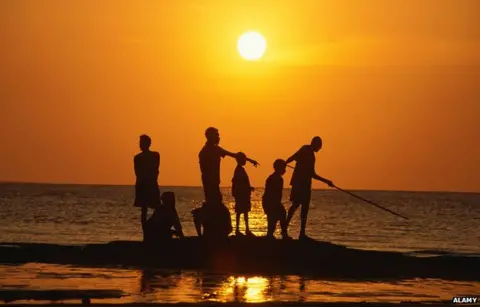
x=151, y=286
x=246, y=289
x=256, y=219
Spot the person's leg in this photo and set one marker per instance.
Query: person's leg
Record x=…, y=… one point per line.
x=294, y=196
x=213, y=195
x=303, y=220
x=207, y=190
x=237, y=225
x=143, y=220
x=271, y=223
x=291, y=212
x=283, y=221
x=217, y=197
x=304, y=213
x=197, y=220
x=247, y=228
x=143, y=214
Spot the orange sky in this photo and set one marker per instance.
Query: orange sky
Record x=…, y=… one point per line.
x=391, y=86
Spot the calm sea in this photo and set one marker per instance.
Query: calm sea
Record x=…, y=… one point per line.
x=78, y=214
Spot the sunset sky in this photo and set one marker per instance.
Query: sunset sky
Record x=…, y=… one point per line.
x=393, y=88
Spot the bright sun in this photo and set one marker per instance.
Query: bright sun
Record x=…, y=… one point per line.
x=251, y=46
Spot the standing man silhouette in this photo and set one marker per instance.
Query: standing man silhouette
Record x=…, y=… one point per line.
x=146, y=165
x=301, y=181
x=210, y=157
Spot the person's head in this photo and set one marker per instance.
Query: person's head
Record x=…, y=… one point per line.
x=316, y=143
x=280, y=166
x=241, y=158
x=168, y=199
x=145, y=142
x=212, y=135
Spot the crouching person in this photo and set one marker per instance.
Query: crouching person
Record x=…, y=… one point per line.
x=159, y=226
x=212, y=221
x=272, y=200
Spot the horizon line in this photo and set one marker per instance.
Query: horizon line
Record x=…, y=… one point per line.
x=199, y=186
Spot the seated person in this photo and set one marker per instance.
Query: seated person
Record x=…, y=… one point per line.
x=159, y=226
x=215, y=221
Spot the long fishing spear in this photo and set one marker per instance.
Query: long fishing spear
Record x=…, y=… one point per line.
x=365, y=200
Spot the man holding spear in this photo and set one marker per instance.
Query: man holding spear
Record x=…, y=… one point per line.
x=301, y=181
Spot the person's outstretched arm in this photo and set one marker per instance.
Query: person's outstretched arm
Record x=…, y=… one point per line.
x=294, y=157
x=324, y=180
x=234, y=155
x=255, y=163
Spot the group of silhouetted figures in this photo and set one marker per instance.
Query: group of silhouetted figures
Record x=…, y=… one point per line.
x=212, y=219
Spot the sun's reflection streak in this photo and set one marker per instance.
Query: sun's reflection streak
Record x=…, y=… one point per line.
x=245, y=289
x=256, y=289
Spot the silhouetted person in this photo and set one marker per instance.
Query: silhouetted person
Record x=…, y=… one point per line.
x=212, y=221
x=159, y=226
x=146, y=165
x=210, y=157
x=241, y=191
x=301, y=181
x=213, y=215
x=272, y=200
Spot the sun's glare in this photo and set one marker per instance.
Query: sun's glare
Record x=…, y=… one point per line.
x=251, y=46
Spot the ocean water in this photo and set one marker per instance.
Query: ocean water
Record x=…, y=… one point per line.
x=79, y=214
